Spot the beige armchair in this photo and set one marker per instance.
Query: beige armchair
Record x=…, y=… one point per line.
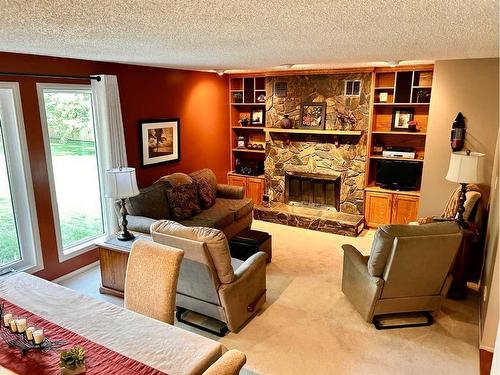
x=212, y=283
x=408, y=269
x=151, y=280
x=230, y=363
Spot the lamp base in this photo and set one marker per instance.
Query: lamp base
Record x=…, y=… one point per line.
x=125, y=236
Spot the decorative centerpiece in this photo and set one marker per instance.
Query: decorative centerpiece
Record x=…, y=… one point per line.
x=347, y=119
x=72, y=362
x=16, y=333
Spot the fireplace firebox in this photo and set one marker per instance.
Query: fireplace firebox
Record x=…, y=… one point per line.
x=312, y=190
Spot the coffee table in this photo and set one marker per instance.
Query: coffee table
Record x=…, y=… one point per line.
x=113, y=255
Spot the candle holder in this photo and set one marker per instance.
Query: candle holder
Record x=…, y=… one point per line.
x=19, y=340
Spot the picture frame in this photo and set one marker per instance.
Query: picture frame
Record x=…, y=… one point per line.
x=159, y=141
x=400, y=119
x=312, y=116
x=257, y=116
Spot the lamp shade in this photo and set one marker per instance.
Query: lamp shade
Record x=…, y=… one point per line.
x=121, y=183
x=465, y=167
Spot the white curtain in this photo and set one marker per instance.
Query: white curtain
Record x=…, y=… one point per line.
x=110, y=136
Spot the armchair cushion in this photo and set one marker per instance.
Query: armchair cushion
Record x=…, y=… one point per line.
x=385, y=235
x=175, y=179
x=151, y=202
x=240, y=207
x=183, y=200
x=214, y=239
x=206, y=192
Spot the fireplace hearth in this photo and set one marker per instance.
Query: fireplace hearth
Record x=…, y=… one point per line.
x=312, y=190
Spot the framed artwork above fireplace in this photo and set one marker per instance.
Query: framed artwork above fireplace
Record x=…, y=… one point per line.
x=312, y=116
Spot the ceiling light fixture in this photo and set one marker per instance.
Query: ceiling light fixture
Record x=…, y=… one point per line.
x=394, y=63
x=220, y=72
x=286, y=66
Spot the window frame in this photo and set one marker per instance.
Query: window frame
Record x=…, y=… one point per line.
x=21, y=189
x=88, y=245
x=353, y=82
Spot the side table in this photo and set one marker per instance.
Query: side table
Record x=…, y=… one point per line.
x=113, y=256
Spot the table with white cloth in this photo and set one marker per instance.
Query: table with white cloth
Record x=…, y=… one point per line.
x=154, y=343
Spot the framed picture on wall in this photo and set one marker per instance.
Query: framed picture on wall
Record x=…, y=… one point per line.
x=312, y=116
x=400, y=119
x=160, y=141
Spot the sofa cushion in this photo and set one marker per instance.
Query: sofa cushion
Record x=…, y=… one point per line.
x=151, y=202
x=385, y=235
x=214, y=239
x=205, y=173
x=206, y=193
x=183, y=201
x=240, y=207
x=216, y=216
x=175, y=179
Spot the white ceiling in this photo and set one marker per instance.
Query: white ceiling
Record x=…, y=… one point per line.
x=251, y=34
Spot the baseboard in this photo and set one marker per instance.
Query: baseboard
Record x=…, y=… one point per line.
x=75, y=272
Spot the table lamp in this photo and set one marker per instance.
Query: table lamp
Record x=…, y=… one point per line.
x=465, y=168
x=121, y=183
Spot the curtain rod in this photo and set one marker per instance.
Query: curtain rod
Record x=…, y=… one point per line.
x=39, y=75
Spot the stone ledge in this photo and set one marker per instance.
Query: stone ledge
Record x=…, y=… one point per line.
x=311, y=218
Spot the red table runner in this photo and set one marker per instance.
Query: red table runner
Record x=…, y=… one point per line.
x=98, y=359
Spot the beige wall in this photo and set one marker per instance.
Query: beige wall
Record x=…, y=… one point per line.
x=467, y=86
x=490, y=275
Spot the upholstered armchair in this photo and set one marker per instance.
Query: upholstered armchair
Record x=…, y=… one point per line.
x=212, y=283
x=408, y=269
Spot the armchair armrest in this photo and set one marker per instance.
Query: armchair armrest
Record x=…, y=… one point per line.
x=246, y=293
x=230, y=191
x=361, y=288
x=140, y=223
x=230, y=363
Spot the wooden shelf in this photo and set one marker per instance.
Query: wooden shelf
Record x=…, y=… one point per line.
x=385, y=88
x=260, y=128
x=249, y=150
x=422, y=87
x=318, y=131
x=378, y=189
x=248, y=104
x=391, y=158
x=233, y=173
x=399, y=133
x=401, y=104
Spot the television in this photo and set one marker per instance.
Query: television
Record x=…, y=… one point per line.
x=398, y=174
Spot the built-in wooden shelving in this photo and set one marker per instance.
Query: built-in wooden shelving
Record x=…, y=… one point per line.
x=318, y=131
x=249, y=150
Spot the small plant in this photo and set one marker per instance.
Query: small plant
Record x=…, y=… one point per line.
x=244, y=121
x=73, y=358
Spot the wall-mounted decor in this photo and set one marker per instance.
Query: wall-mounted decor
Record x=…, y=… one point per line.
x=160, y=141
x=458, y=133
x=257, y=116
x=312, y=116
x=400, y=119
x=281, y=89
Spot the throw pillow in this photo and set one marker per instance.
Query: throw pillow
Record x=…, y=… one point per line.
x=183, y=201
x=206, y=192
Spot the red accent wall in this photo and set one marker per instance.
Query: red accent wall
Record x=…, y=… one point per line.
x=199, y=99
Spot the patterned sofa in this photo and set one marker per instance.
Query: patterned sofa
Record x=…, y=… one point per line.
x=231, y=212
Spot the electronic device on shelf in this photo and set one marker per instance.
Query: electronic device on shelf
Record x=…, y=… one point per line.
x=398, y=174
x=399, y=152
x=249, y=167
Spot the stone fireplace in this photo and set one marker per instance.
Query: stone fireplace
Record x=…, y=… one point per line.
x=317, y=181
x=313, y=190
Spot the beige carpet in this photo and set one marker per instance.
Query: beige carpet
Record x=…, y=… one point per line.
x=308, y=326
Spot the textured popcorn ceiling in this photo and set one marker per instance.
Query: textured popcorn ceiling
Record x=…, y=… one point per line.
x=239, y=34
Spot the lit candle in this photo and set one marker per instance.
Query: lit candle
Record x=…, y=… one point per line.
x=29, y=333
x=38, y=336
x=13, y=325
x=6, y=320
x=21, y=325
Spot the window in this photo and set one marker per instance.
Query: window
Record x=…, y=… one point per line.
x=352, y=88
x=71, y=150
x=19, y=241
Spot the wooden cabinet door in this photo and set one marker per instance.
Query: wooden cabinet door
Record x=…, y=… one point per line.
x=255, y=189
x=404, y=209
x=236, y=180
x=378, y=208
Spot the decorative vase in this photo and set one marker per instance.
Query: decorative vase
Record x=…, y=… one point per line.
x=286, y=123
